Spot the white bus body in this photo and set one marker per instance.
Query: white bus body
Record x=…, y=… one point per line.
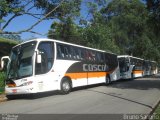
x=154, y=67
x=130, y=67
x=147, y=68
x=42, y=65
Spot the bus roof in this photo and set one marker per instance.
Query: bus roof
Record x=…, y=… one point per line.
x=58, y=41
x=120, y=56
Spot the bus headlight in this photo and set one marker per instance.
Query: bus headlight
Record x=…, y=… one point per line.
x=27, y=83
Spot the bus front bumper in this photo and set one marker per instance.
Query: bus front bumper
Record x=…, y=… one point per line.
x=19, y=90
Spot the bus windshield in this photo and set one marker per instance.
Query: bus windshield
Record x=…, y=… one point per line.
x=21, y=61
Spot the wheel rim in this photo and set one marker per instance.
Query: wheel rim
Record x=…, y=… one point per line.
x=66, y=86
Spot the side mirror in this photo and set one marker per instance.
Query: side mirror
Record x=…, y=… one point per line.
x=39, y=57
x=4, y=62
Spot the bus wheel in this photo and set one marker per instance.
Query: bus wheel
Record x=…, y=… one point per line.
x=132, y=77
x=65, y=86
x=108, y=81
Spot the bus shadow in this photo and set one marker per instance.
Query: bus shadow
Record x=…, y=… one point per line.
x=34, y=96
x=140, y=84
x=86, y=87
x=51, y=93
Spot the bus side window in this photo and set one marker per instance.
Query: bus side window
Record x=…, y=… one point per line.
x=60, y=51
x=102, y=57
x=67, y=52
x=93, y=55
x=73, y=50
x=46, y=49
x=87, y=55
x=77, y=53
x=81, y=53
x=99, y=57
x=90, y=55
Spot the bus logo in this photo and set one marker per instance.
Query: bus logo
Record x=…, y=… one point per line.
x=94, y=67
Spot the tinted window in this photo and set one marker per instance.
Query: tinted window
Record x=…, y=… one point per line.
x=46, y=50
x=64, y=51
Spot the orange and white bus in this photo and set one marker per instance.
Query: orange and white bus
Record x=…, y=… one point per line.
x=147, y=67
x=131, y=67
x=150, y=67
x=42, y=65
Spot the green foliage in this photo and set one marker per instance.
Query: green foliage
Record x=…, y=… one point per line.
x=46, y=9
x=156, y=114
x=69, y=8
x=127, y=21
x=66, y=31
x=96, y=35
x=153, y=7
x=99, y=36
x=9, y=41
x=2, y=79
x=6, y=46
x=11, y=37
x=9, y=7
x=120, y=26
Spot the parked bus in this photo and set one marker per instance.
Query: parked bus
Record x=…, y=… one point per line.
x=42, y=65
x=130, y=67
x=147, y=67
x=154, y=67
x=151, y=67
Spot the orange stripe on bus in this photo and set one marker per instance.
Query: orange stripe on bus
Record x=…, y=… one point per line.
x=76, y=75
x=137, y=71
x=86, y=75
x=96, y=74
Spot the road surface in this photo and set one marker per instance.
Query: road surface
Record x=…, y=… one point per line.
x=138, y=96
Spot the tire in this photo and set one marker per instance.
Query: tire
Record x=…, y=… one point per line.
x=11, y=97
x=132, y=78
x=65, y=86
x=108, y=81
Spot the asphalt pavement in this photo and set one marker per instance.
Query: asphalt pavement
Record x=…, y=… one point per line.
x=125, y=97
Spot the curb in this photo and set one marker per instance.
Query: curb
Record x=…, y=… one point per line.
x=153, y=110
x=3, y=97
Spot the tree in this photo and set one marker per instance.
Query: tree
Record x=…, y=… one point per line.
x=11, y=36
x=128, y=22
x=45, y=9
x=153, y=7
x=99, y=36
x=66, y=30
x=96, y=34
x=118, y=26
